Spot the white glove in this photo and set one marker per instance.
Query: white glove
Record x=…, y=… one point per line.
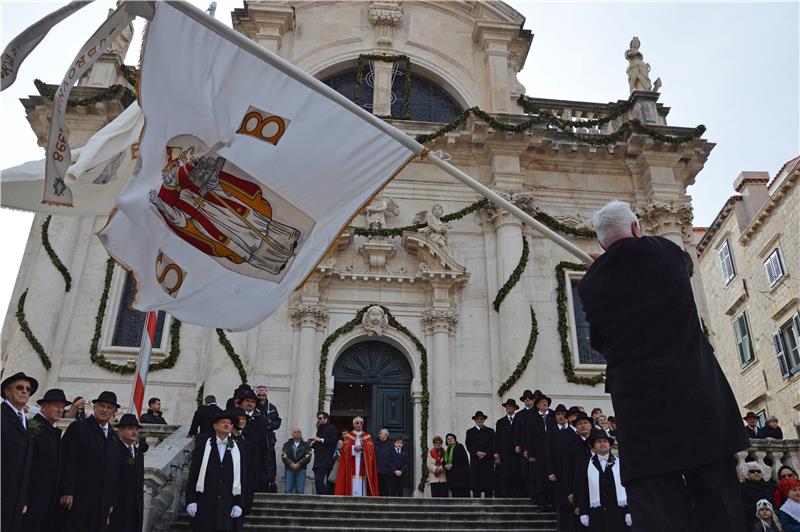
x=628, y=521
x=191, y=509
x=585, y=520
x=236, y=512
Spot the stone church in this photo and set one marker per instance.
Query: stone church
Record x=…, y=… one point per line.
x=458, y=308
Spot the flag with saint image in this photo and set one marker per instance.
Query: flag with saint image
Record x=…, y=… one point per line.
x=248, y=169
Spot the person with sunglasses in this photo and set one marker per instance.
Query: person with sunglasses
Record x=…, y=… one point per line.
x=754, y=488
x=17, y=449
x=324, y=445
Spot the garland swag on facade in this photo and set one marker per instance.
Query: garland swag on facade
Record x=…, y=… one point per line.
x=423, y=374
x=110, y=93
x=563, y=327
x=522, y=365
x=200, y=392
x=516, y=275
x=26, y=330
x=237, y=361
x=99, y=359
x=54, y=256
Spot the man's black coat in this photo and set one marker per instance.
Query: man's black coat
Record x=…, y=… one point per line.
x=215, y=503
x=753, y=432
x=639, y=302
x=17, y=449
x=89, y=472
x=128, y=513
x=256, y=434
x=481, y=472
x=565, y=445
x=203, y=420
x=323, y=451
x=510, y=461
x=609, y=517
x=153, y=418
x=45, y=468
x=273, y=423
x=535, y=441
x=382, y=456
x=248, y=477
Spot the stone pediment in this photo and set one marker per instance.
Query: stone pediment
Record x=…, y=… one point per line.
x=433, y=259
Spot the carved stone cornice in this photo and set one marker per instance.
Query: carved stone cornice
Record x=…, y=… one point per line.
x=305, y=315
x=434, y=321
x=660, y=216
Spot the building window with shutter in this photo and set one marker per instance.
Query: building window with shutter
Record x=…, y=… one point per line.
x=741, y=334
x=786, y=341
x=726, y=262
x=774, y=267
x=762, y=418
x=129, y=323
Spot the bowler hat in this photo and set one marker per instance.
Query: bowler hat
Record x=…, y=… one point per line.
x=597, y=434
x=107, y=397
x=56, y=395
x=19, y=377
x=128, y=420
x=746, y=416
x=527, y=394
x=479, y=414
x=511, y=402
x=561, y=408
x=226, y=414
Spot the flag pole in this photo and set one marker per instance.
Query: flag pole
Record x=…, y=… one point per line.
x=143, y=363
x=497, y=199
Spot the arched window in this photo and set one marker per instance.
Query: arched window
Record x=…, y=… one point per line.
x=428, y=102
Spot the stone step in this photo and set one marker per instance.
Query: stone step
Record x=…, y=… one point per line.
x=452, y=505
x=399, y=511
x=387, y=528
x=399, y=517
x=380, y=501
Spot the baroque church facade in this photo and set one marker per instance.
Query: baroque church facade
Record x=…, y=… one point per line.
x=434, y=304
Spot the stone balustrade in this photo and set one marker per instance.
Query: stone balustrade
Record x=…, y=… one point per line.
x=165, y=470
x=152, y=434
x=770, y=455
x=578, y=113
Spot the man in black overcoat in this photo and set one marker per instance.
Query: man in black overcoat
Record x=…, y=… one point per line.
x=608, y=512
x=561, y=441
x=480, y=446
x=324, y=445
x=270, y=412
x=45, y=463
x=89, y=468
x=17, y=449
x=246, y=452
x=539, y=422
x=751, y=428
x=214, y=499
x=204, y=416
x=520, y=432
x=128, y=513
x=638, y=300
x=256, y=433
x=508, y=462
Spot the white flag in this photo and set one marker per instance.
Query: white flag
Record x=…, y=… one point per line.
x=248, y=170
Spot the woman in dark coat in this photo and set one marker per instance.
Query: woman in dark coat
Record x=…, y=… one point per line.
x=456, y=465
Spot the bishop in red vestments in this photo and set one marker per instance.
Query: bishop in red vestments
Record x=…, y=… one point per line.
x=358, y=469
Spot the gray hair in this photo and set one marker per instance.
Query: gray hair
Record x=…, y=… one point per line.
x=358, y=417
x=384, y=431
x=613, y=222
x=210, y=399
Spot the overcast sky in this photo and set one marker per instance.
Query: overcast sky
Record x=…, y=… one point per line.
x=734, y=67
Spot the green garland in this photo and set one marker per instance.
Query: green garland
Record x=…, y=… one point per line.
x=26, y=330
x=423, y=374
x=689, y=263
x=53, y=256
x=563, y=228
x=200, y=392
x=223, y=339
x=563, y=327
x=526, y=358
x=406, y=80
x=705, y=329
x=615, y=111
x=131, y=75
x=515, y=275
x=110, y=93
x=398, y=231
x=99, y=359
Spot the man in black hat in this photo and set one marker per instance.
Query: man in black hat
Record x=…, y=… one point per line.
x=90, y=467
x=600, y=496
x=215, y=486
x=128, y=512
x=480, y=445
x=324, y=445
x=256, y=433
x=247, y=452
x=45, y=463
x=751, y=428
x=203, y=417
x=270, y=412
x=508, y=462
x=17, y=449
x=154, y=415
x=520, y=434
x=539, y=423
x=638, y=300
x=565, y=444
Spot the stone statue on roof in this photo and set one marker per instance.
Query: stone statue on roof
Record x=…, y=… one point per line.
x=638, y=70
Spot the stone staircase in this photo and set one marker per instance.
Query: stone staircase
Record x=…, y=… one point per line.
x=309, y=513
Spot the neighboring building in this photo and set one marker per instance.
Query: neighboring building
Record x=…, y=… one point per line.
x=750, y=264
x=439, y=287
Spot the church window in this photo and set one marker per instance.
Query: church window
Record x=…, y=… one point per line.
x=586, y=354
x=129, y=323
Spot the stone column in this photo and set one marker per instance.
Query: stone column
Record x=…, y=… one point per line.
x=512, y=315
x=308, y=319
x=439, y=325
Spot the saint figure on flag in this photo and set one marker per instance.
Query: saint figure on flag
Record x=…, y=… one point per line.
x=224, y=213
x=358, y=469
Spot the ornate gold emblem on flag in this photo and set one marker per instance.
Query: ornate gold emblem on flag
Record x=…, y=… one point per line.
x=263, y=126
x=169, y=275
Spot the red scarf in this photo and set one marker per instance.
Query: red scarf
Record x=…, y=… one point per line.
x=437, y=455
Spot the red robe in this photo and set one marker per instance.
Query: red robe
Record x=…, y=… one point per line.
x=347, y=466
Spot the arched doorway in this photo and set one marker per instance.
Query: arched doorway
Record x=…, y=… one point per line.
x=372, y=379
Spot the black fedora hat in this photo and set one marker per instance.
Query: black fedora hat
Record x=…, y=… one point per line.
x=55, y=395
x=611, y=419
x=561, y=408
x=597, y=434
x=20, y=376
x=582, y=417
x=479, y=414
x=746, y=416
x=573, y=411
x=226, y=414
x=511, y=402
x=527, y=394
x=541, y=396
x=248, y=394
x=107, y=397
x=128, y=420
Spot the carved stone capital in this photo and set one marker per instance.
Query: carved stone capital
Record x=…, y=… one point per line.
x=305, y=315
x=497, y=216
x=434, y=321
x=385, y=16
x=666, y=216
